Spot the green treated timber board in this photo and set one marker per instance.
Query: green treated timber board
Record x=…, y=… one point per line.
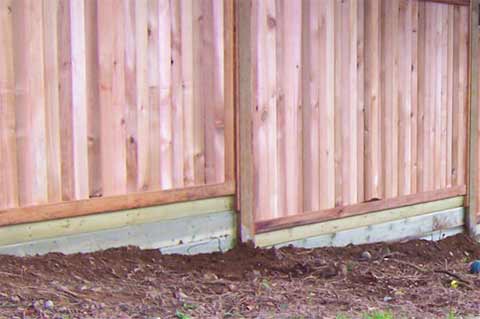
x=93, y=223
x=193, y=234
x=407, y=228
x=334, y=226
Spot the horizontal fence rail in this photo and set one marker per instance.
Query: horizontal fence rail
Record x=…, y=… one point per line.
x=114, y=98
x=354, y=105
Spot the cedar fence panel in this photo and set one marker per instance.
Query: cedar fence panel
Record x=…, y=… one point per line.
x=355, y=106
x=114, y=98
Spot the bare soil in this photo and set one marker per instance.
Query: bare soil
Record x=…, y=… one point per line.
x=412, y=279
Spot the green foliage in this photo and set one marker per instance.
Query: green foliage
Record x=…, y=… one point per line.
x=181, y=315
x=379, y=315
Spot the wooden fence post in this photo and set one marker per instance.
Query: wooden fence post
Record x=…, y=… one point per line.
x=472, y=203
x=244, y=87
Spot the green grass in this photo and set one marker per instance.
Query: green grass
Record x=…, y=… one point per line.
x=388, y=315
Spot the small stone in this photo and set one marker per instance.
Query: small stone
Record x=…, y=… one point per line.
x=101, y=305
x=366, y=255
x=14, y=299
x=37, y=305
x=48, y=304
x=387, y=298
x=210, y=276
x=123, y=307
x=63, y=309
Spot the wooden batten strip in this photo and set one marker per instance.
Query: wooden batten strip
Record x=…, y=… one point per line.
x=473, y=103
x=114, y=203
x=357, y=209
x=374, y=218
x=246, y=157
x=454, y=2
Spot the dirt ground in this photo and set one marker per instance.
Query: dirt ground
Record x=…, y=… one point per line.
x=412, y=279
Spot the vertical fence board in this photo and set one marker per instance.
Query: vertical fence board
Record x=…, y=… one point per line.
x=177, y=95
x=450, y=92
x=405, y=97
x=281, y=191
x=8, y=146
x=265, y=108
x=218, y=96
x=93, y=102
x=373, y=142
x=202, y=19
x=327, y=131
x=52, y=107
x=414, y=91
x=229, y=91
x=131, y=95
x=65, y=96
x=390, y=96
x=154, y=94
x=187, y=85
x=30, y=102
x=291, y=82
x=111, y=46
x=79, y=99
x=460, y=99
x=421, y=96
x=142, y=94
x=358, y=104
x=210, y=91
x=165, y=85
x=311, y=42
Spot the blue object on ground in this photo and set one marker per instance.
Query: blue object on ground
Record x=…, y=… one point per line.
x=475, y=267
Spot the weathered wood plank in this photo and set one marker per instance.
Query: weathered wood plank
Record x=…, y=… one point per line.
x=30, y=101
x=110, y=220
x=177, y=95
x=188, y=97
x=471, y=218
x=311, y=73
x=165, y=91
x=93, y=102
x=326, y=60
x=330, y=227
x=390, y=85
x=357, y=209
x=265, y=110
x=111, y=203
x=404, y=53
x=111, y=48
x=79, y=99
x=8, y=145
x=131, y=95
x=52, y=107
x=142, y=91
x=245, y=26
x=373, y=141
x=291, y=82
x=153, y=95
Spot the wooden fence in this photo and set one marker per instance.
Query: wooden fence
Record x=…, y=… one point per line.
x=113, y=104
x=356, y=106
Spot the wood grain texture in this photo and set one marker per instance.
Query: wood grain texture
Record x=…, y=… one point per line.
x=52, y=102
x=111, y=48
x=8, y=145
x=357, y=209
x=104, y=98
x=379, y=92
x=30, y=101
